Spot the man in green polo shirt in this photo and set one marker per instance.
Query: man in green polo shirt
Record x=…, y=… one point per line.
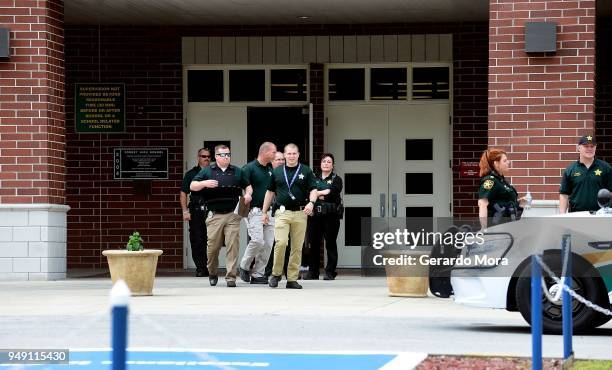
x=258, y=173
x=221, y=184
x=295, y=188
x=582, y=179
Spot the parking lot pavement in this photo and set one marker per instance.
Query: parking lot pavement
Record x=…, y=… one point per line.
x=348, y=314
x=156, y=359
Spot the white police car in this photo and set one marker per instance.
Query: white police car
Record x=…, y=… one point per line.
x=497, y=274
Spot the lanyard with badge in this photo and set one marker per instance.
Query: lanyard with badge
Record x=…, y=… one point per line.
x=289, y=184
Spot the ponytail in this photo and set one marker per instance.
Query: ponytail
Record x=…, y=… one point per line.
x=487, y=159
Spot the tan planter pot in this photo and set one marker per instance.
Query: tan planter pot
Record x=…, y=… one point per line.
x=407, y=281
x=137, y=269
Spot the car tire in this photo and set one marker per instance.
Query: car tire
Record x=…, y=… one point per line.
x=586, y=282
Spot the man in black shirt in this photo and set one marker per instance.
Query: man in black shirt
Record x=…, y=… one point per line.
x=195, y=214
x=222, y=184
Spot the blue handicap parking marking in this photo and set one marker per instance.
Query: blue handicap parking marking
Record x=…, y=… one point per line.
x=173, y=360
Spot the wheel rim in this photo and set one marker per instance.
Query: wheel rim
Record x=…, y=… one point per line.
x=552, y=310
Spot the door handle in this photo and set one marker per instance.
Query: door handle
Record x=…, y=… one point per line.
x=394, y=205
x=383, y=201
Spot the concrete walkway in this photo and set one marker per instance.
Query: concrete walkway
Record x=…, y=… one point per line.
x=349, y=314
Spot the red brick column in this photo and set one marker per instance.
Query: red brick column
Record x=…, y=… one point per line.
x=32, y=139
x=317, y=99
x=540, y=103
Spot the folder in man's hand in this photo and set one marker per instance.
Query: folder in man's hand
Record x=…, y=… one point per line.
x=242, y=209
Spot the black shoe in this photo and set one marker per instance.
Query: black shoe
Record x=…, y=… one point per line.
x=231, y=284
x=202, y=272
x=311, y=276
x=293, y=285
x=213, y=280
x=273, y=283
x=259, y=280
x=329, y=276
x=244, y=274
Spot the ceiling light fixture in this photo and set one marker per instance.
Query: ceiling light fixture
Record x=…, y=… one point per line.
x=303, y=17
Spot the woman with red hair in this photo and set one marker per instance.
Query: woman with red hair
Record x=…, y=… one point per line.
x=497, y=199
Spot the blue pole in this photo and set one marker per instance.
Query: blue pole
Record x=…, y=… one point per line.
x=536, y=314
x=119, y=337
x=567, y=299
x=119, y=302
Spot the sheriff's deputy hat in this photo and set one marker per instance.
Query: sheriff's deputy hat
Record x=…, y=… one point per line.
x=587, y=139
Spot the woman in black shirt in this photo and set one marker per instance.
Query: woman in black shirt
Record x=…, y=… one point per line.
x=325, y=222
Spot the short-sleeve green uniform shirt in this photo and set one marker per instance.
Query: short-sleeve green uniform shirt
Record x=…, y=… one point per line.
x=304, y=182
x=581, y=184
x=497, y=190
x=259, y=177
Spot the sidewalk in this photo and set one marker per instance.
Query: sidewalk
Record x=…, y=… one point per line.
x=348, y=314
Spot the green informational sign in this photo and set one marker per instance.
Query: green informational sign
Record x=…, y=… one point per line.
x=99, y=107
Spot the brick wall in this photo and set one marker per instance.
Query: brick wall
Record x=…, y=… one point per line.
x=603, y=104
x=539, y=104
x=32, y=166
x=148, y=61
x=104, y=211
x=317, y=98
x=469, y=112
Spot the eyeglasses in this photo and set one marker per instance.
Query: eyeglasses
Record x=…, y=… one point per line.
x=223, y=155
x=204, y=156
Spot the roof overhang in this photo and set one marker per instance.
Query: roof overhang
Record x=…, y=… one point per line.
x=271, y=12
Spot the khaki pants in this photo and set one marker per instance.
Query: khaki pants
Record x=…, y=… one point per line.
x=286, y=223
x=223, y=228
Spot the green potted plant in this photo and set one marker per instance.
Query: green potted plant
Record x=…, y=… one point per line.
x=134, y=265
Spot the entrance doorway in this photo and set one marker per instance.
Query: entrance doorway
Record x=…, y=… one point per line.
x=244, y=128
x=395, y=161
x=279, y=125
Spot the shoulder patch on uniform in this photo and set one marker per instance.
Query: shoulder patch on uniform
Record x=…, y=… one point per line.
x=488, y=185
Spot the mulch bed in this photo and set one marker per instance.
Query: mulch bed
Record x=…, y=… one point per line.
x=488, y=363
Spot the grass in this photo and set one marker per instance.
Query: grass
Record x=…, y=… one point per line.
x=592, y=365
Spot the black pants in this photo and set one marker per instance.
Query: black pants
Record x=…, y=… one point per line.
x=323, y=227
x=198, y=238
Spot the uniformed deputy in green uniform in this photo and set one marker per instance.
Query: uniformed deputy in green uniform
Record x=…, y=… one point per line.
x=295, y=187
x=497, y=199
x=258, y=173
x=582, y=179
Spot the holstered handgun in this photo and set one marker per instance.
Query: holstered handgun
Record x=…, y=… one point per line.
x=197, y=203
